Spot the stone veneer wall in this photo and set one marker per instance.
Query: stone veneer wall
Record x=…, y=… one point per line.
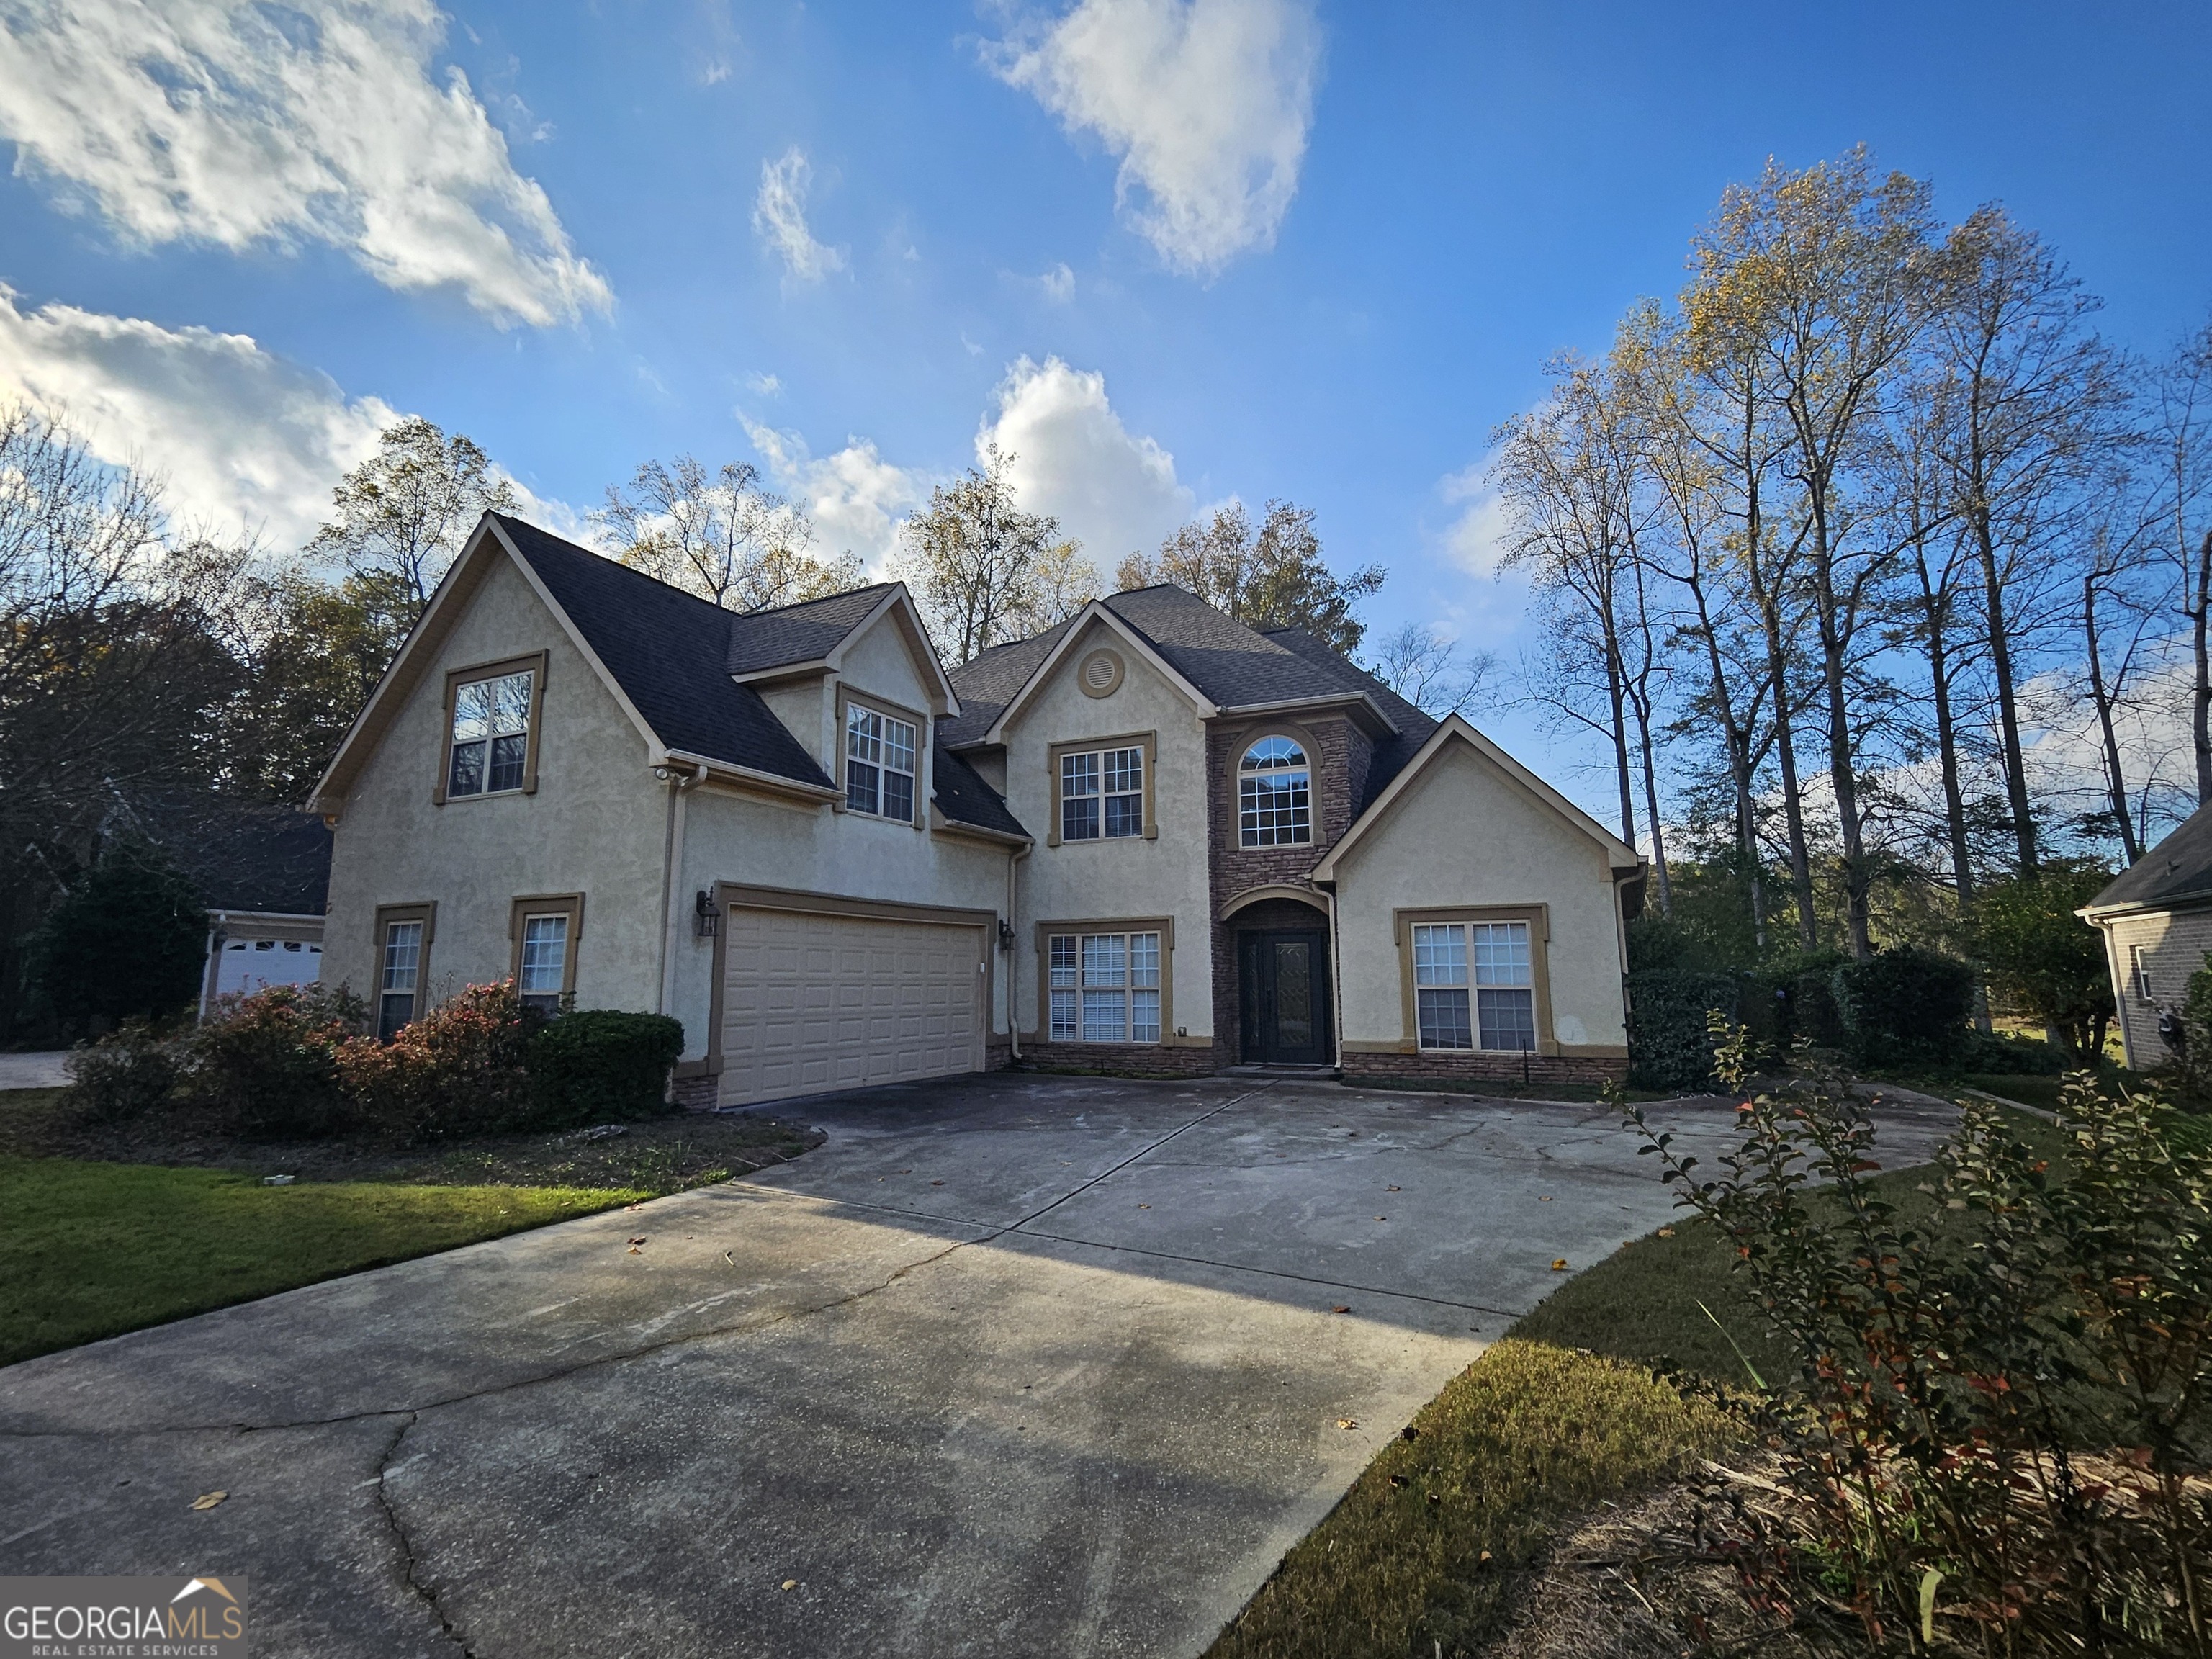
x=1143, y=1059
x=1475, y=1067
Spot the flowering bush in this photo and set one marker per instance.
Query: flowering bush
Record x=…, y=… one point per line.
x=266, y=1064
x=127, y=1074
x=457, y=1071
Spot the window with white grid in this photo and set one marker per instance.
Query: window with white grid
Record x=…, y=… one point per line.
x=398, y=977
x=544, y=974
x=1105, y=988
x=491, y=735
x=1475, y=985
x=1274, y=795
x=879, y=764
x=1102, y=794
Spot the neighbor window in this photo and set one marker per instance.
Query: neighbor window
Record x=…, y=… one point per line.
x=544, y=969
x=399, y=981
x=1274, y=795
x=1495, y=1006
x=1105, y=987
x=1102, y=794
x=2139, y=957
x=491, y=734
x=879, y=764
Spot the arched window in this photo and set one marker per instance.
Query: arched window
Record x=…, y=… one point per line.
x=1274, y=795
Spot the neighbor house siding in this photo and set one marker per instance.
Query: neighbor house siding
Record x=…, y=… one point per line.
x=2175, y=943
x=594, y=826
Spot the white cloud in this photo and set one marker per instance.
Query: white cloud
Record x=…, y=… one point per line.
x=1058, y=284
x=1475, y=541
x=856, y=498
x=244, y=440
x=1074, y=460
x=1206, y=102
x=195, y=120
x=780, y=217
x=767, y=386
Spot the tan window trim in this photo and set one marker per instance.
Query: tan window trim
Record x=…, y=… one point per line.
x=1147, y=741
x=458, y=677
x=425, y=912
x=1239, y=746
x=1163, y=926
x=922, y=783
x=546, y=904
x=1538, y=918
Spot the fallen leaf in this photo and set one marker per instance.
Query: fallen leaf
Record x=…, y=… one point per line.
x=1543, y=1198
x=207, y=1500
x=1483, y=1560
x=791, y=1584
x=1341, y=1307
x=637, y=1240
x=1391, y=1190
x=1409, y=1432
x=1347, y=1423
x=1434, y=1500
x=1400, y=1481
x=728, y=1257
x=1381, y=1218
x=1144, y=1206
x=1666, y=1232
x=1559, y=1266
x=633, y=1251
x=936, y=1184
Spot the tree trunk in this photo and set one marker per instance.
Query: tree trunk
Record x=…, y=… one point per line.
x=2001, y=670
x=1841, y=776
x=2115, y=780
x=2203, y=711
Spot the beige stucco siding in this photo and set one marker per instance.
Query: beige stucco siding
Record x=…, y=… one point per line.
x=1126, y=878
x=593, y=827
x=1465, y=834
x=732, y=837
x=2174, y=946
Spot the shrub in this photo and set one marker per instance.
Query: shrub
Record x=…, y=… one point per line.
x=126, y=1074
x=598, y=1064
x=1904, y=1007
x=2044, y=959
x=1669, y=1044
x=128, y=940
x=267, y=1065
x=457, y=1071
x=1930, y=1473
x=2010, y=1056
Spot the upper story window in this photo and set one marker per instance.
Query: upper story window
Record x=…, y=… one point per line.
x=490, y=734
x=879, y=764
x=1274, y=795
x=2139, y=959
x=1102, y=794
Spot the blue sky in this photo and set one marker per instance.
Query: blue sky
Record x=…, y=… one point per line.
x=1170, y=252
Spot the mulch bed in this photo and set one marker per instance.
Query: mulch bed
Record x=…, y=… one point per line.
x=663, y=1154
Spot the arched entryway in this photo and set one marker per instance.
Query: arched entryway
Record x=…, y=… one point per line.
x=1283, y=1012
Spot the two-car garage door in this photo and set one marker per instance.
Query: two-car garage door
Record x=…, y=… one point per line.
x=813, y=1002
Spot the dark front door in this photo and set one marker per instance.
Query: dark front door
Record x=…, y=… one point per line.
x=1285, y=980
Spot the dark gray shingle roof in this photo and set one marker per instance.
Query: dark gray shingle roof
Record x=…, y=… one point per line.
x=805, y=632
x=271, y=859
x=1391, y=753
x=2180, y=867
x=673, y=654
x=986, y=684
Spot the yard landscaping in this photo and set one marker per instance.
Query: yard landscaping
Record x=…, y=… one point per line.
x=107, y=1228
x=1493, y=1526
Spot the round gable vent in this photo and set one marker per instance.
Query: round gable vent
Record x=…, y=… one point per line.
x=1101, y=675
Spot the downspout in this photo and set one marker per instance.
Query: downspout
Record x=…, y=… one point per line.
x=671, y=856
x=1014, y=954
x=218, y=934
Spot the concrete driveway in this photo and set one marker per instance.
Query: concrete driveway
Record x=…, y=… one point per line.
x=1010, y=1365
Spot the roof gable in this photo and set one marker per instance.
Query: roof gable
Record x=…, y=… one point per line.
x=2178, y=870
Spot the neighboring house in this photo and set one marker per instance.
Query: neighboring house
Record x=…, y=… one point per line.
x=263, y=873
x=1150, y=839
x=2157, y=918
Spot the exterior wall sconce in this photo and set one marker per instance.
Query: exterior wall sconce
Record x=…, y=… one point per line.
x=704, y=915
x=1005, y=934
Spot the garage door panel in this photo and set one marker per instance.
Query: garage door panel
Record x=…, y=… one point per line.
x=813, y=1003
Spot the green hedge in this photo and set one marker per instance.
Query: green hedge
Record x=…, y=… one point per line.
x=601, y=1064
x=1906, y=1006
x=1669, y=1046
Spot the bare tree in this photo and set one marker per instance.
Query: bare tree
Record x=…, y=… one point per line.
x=2181, y=427
x=1426, y=667
x=721, y=536
x=972, y=558
x=404, y=514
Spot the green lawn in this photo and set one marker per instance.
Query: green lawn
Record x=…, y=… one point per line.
x=1563, y=1414
x=89, y=1251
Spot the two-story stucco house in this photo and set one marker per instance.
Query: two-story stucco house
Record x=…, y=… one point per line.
x=1151, y=839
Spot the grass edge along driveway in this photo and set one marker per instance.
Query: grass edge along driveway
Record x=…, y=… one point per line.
x=91, y=1250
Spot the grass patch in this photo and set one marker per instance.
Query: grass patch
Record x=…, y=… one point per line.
x=91, y=1250
x=1429, y=1549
